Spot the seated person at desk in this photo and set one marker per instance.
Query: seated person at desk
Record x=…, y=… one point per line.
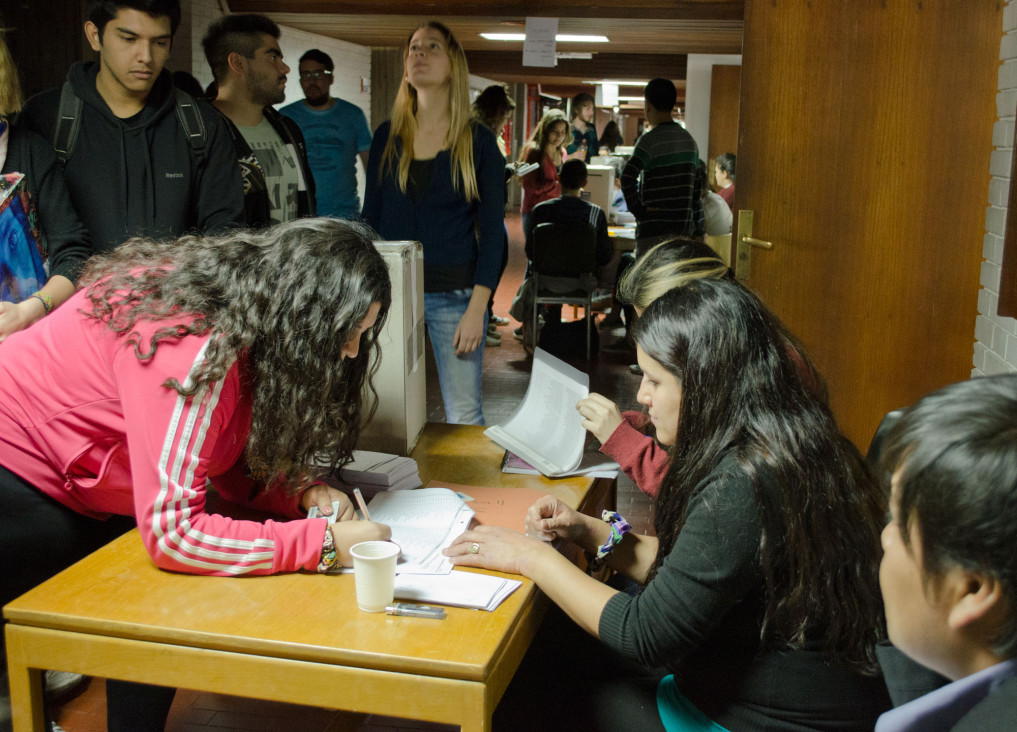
x=760, y=603
x=230, y=360
x=949, y=571
x=569, y=209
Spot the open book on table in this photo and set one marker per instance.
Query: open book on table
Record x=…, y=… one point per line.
x=592, y=465
x=427, y=520
x=546, y=430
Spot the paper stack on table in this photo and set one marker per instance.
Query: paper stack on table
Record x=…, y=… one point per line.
x=380, y=471
x=459, y=588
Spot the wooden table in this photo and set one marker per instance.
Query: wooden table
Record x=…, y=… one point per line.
x=295, y=638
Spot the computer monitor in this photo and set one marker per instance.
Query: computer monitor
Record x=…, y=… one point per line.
x=600, y=186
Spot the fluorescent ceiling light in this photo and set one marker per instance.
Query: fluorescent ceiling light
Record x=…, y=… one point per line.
x=619, y=82
x=561, y=38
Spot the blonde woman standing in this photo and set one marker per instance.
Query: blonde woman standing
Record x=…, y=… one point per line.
x=436, y=177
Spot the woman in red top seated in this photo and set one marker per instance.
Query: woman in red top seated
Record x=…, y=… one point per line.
x=544, y=147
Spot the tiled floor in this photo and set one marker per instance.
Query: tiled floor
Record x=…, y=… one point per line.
x=506, y=374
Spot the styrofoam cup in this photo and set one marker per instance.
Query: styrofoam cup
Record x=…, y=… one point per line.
x=374, y=566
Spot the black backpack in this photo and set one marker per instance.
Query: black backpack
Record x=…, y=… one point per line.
x=68, y=124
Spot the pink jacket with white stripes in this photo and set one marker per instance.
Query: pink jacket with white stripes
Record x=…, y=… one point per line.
x=90, y=424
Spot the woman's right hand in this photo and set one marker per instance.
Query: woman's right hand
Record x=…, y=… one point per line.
x=601, y=416
x=549, y=519
x=347, y=533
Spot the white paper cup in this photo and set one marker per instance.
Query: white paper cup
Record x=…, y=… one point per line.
x=374, y=566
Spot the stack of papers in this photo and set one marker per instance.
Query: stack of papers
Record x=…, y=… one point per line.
x=379, y=471
x=461, y=589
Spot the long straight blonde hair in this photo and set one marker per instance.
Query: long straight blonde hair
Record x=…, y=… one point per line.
x=10, y=86
x=458, y=141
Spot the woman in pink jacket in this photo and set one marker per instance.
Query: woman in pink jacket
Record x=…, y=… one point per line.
x=238, y=361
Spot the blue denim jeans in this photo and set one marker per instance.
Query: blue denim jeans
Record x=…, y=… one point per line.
x=458, y=376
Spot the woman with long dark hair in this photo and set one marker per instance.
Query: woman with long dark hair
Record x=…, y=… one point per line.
x=435, y=175
x=760, y=604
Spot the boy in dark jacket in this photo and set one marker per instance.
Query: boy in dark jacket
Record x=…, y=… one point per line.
x=243, y=52
x=132, y=169
x=949, y=570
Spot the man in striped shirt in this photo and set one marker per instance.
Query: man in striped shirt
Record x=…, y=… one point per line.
x=659, y=182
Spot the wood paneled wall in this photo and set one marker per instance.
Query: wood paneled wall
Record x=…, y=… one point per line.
x=725, y=88
x=43, y=61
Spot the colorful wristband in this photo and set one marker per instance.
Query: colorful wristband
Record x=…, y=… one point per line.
x=46, y=300
x=619, y=527
x=329, y=556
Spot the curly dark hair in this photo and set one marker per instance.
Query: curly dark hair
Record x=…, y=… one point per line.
x=743, y=392
x=281, y=302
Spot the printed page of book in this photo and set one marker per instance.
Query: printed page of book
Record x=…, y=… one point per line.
x=547, y=431
x=423, y=522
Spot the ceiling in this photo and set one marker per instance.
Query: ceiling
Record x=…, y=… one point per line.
x=648, y=38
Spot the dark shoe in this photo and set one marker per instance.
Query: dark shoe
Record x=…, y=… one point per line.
x=622, y=345
x=498, y=320
x=634, y=368
x=61, y=686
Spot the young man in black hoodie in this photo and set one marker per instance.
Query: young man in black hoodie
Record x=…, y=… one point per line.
x=132, y=170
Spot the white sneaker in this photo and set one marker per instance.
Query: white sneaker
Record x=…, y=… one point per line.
x=62, y=684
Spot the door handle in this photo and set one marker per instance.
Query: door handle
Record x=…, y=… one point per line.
x=757, y=242
x=743, y=254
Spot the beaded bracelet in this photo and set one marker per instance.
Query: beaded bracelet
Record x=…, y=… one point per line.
x=619, y=527
x=329, y=556
x=46, y=300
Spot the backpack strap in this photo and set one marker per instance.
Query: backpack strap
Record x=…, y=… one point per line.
x=192, y=122
x=68, y=123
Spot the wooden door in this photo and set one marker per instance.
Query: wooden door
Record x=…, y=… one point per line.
x=866, y=128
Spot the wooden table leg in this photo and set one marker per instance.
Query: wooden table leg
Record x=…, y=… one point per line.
x=26, y=685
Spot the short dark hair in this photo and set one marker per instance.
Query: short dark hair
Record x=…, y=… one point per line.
x=101, y=12
x=726, y=161
x=492, y=104
x=579, y=101
x=235, y=33
x=318, y=56
x=572, y=174
x=661, y=94
x=955, y=456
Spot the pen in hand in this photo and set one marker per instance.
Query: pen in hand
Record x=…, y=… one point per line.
x=360, y=502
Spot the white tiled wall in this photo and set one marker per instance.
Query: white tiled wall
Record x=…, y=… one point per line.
x=996, y=337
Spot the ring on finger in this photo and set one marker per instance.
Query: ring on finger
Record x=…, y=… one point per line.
x=474, y=548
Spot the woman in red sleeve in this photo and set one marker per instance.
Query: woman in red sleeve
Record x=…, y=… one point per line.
x=544, y=147
x=628, y=437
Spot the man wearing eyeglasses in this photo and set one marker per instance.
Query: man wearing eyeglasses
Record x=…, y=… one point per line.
x=336, y=132
x=244, y=55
